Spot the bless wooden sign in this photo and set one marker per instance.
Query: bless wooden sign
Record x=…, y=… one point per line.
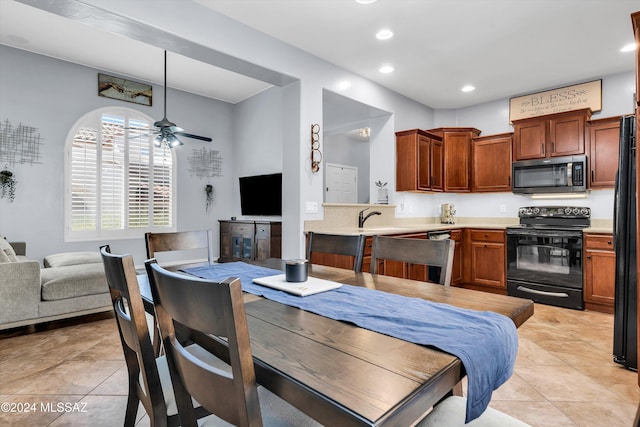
x=569, y=98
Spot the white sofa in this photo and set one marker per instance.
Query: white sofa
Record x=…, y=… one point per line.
x=69, y=284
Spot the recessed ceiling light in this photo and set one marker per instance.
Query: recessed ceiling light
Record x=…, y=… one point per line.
x=365, y=1
x=386, y=69
x=628, y=47
x=384, y=34
x=468, y=88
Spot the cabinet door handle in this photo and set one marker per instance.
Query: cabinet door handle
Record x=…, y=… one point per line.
x=542, y=145
x=609, y=243
x=553, y=147
x=593, y=176
x=588, y=256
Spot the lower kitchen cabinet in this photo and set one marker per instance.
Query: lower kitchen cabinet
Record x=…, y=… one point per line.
x=485, y=259
x=599, y=272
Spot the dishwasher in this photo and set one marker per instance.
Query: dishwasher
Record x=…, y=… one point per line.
x=434, y=272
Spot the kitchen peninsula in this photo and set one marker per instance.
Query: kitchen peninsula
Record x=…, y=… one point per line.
x=480, y=260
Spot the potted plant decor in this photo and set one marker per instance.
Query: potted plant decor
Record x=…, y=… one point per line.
x=7, y=185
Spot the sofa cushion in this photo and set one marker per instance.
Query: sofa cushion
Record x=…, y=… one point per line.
x=3, y=257
x=72, y=258
x=8, y=252
x=73, y=281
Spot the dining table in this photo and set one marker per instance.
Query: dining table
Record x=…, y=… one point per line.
x=344, y=375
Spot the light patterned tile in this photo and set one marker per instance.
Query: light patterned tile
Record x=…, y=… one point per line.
x=565, y=383
x=95, y=411
x=599, y=414
x=536, y=414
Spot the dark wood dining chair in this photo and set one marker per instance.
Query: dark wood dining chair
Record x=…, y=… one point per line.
x=337, y=245
x=149, y=380
x=432, y=253
x=181, y=244
x=215, y=310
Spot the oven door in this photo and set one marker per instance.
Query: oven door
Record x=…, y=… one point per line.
x=550, y=256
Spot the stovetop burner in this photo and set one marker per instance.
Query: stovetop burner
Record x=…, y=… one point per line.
x=557, y=217
x=554, y=211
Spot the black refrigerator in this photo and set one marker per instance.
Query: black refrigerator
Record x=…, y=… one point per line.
x=625, y=329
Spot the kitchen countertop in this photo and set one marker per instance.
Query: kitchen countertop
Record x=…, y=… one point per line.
x=343, y=219
x=404, y=227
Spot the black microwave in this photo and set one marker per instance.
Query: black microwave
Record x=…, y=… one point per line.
x=554, y=175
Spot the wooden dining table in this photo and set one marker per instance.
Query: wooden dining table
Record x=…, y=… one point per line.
x=344, y=375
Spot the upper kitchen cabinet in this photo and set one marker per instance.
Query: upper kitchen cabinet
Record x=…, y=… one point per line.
x=491, y=163
x=603, y=141
x=552, y=135
x=457, y=157
x=419, y=161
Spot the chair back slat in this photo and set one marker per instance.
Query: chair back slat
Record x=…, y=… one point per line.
x=433, y=253
x=209, y=308
x=157, y=243
x=337, y=244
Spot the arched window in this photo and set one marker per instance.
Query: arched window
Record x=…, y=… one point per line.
x=118, y=184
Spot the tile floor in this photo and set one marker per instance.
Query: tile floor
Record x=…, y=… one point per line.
x=74, y=374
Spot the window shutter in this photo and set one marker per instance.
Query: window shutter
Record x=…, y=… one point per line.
x=121, y=184
x=84, y=175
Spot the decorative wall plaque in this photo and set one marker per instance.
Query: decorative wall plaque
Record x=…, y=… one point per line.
x=19, y=144
x=568, y=98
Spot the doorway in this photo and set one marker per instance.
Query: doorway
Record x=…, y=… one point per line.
x=341, y=183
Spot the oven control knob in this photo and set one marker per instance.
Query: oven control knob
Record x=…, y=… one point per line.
x=528, y=212
x=544, y=211
x=584, y=211
x=567, y=210
x=536, y=211
x=576, y=211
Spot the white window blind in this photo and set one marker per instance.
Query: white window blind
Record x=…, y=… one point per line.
x=120, y=184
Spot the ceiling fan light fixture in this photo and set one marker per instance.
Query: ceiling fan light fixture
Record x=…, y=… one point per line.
x=157, y=141
x=173, y=141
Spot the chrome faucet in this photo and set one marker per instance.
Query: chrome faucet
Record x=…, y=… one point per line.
x=362, y=218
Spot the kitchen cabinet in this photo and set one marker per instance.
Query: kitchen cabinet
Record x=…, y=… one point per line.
x=599, y=272
x=553, y=135
x=456, y=273
x=603, y=141
x=457, y=157
x=485, y=259
x=419, y=161
x=491, y=163
x=249, y=240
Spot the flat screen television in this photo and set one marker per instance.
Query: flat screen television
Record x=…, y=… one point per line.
x=261, y=195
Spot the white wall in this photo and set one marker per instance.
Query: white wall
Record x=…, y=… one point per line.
x=51, y=95
x=221, y=34
x=258, y=139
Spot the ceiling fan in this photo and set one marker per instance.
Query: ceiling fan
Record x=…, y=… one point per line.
x=167, y=131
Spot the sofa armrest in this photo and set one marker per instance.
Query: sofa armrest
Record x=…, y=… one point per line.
x=20, y=248
x=19, y=290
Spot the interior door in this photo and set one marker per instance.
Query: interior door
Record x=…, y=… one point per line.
x=341, y=183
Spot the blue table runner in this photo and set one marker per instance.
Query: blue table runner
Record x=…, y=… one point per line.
x=485, y=342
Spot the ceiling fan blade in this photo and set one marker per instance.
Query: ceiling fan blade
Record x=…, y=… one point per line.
x=189, y=135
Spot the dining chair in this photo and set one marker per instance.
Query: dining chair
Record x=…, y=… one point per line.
x=433, y=253
x=176, y=246
x=451, y=413
x=214, y=310
x=149, y=380
x=337, y=244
